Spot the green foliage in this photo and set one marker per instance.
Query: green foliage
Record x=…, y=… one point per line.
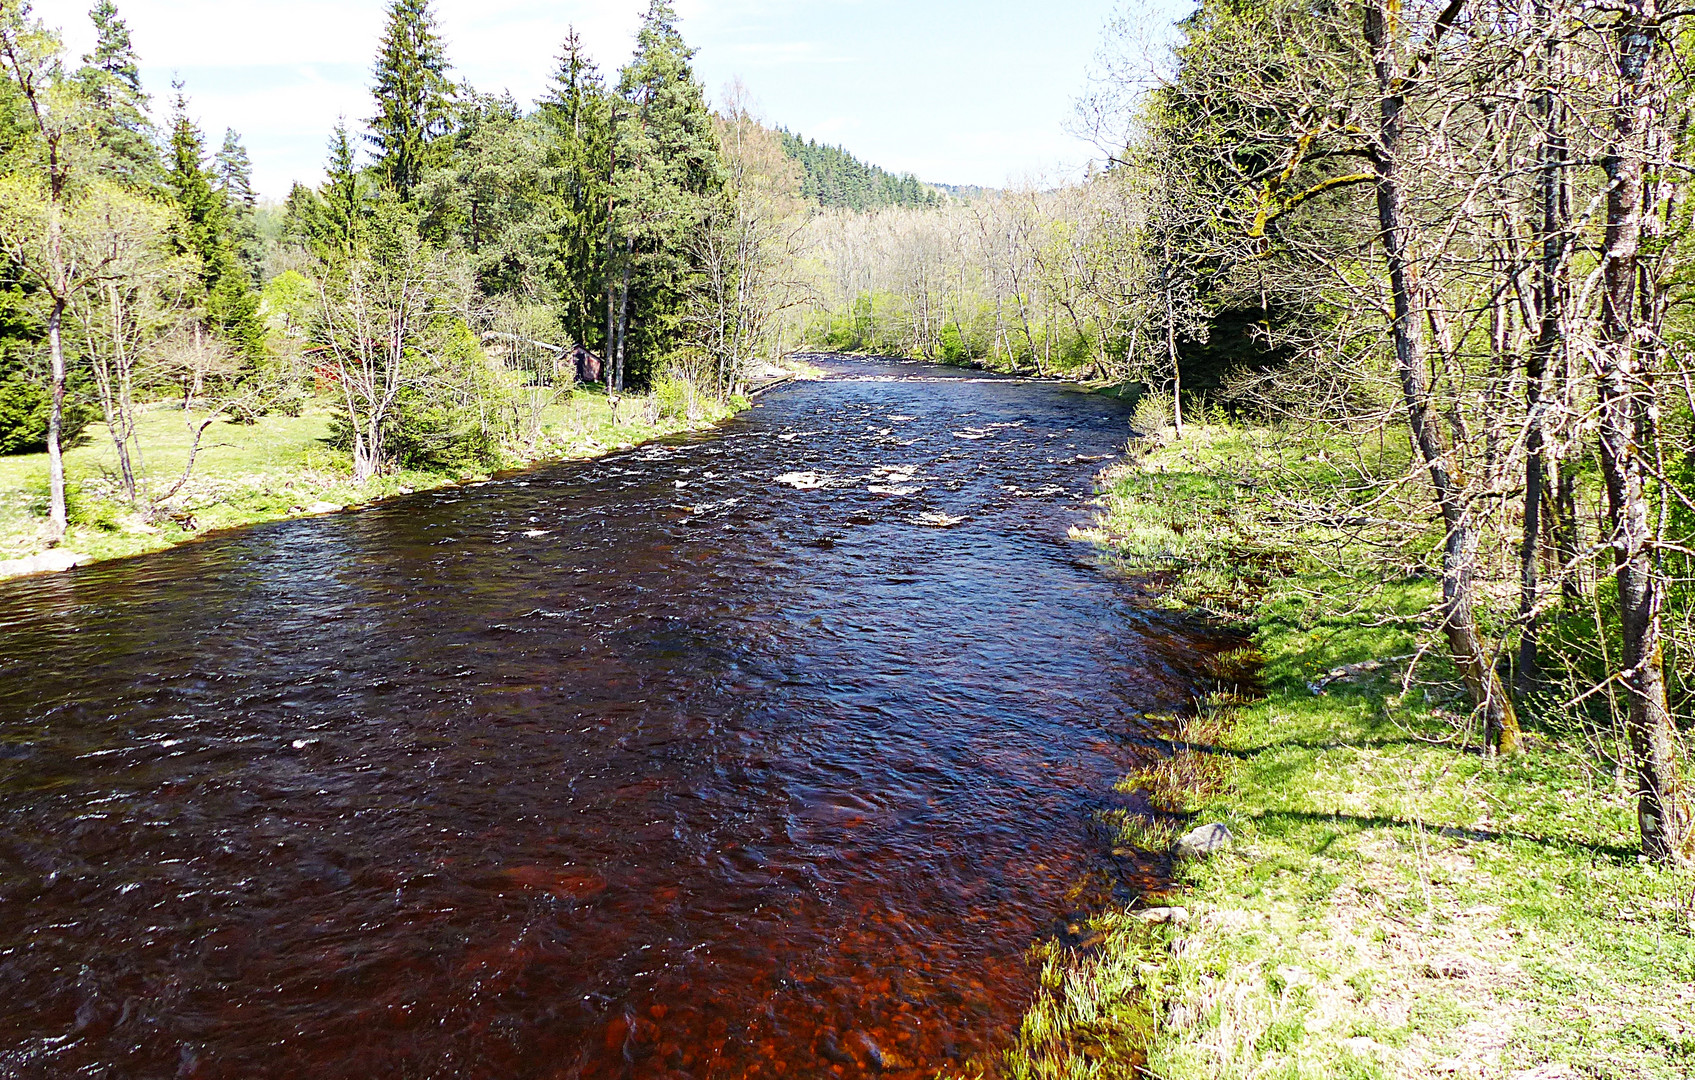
x=413, y=96
x=330, y=223
x=233, y=172
x=667, y=167
x=488, y=197
x=833, y=177
x=208, y=232
x=110, y=80
x=24, y=408
x=576, y=119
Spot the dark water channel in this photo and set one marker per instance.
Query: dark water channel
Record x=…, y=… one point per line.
x=649, y=766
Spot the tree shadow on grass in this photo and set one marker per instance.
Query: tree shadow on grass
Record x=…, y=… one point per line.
x=1616, y=852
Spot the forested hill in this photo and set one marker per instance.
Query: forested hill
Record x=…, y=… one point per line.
x=835, y=177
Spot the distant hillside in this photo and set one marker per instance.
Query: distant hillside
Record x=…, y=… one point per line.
x=834, y=177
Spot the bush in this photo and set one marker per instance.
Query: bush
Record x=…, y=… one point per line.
x=955, y=349
x=674, y=396
x=24, y=409
x=1152, y=413
x=430, y=432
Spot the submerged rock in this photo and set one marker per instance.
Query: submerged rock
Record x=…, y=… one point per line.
x=831, y=1050
x=1204, y=840
x=936, y=520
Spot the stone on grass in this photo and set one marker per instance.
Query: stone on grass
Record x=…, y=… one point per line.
x=1176, y=916
x=1204, y=840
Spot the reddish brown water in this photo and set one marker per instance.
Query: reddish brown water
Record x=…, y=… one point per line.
x=646, y=767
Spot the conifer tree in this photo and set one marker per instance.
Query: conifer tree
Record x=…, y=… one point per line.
x=231, y=306
x=343, y=195
x=577, y=116
x=666, y=167
x=413, y=96
x=234, y=173
x=111, y=81
x=331, y=220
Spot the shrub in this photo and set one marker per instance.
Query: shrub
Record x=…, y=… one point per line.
x=1152, y=413
x=24, y=408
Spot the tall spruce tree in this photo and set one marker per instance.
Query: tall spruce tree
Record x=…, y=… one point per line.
x=413, y=96
x=576, y=115
x=111, y=81
x=230, y=304
x=234, y=173
x=667, y=166
x=331, y=220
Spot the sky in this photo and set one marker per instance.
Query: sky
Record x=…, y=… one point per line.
x=955, y=91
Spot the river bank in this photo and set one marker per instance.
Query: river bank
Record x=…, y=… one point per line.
x=281, y=466
x=1395, y=904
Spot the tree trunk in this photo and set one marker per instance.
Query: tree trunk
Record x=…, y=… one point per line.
x=1550, y=296
x=57, y=518
x=1626, y=398
x=623, y=324
x=1171, y=353
x=1459, y=549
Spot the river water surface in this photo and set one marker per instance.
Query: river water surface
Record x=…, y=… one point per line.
x=768, y=751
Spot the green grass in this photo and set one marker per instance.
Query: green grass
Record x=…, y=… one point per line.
x=1396, y=903
x=276, y=467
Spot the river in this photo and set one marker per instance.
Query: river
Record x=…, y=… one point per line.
x=738, y=754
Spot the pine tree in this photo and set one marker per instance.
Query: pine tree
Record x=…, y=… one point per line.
x=666, y=168
x=343, y=194
x=331, y=220
x=231, y=306
x=576, y=115
x=111, y=79
x=233, y=170
x=413, y=95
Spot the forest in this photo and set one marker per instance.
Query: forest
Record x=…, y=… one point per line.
x=465, y=263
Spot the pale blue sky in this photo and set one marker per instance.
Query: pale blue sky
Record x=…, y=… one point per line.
x=956, y=91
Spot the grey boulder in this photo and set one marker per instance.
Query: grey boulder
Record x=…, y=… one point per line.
x=1204, y=840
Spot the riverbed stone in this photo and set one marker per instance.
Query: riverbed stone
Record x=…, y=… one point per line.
x=54, y=561
x=1204, y=840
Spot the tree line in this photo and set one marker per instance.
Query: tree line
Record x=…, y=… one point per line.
x=466, y=260
x=832, y=177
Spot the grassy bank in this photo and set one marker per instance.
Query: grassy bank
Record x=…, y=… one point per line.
x=281, y=466
x=1395, y=904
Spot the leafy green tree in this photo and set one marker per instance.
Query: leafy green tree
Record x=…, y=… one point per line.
x=413, y=96
x=231, y=306
x=110, y=80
